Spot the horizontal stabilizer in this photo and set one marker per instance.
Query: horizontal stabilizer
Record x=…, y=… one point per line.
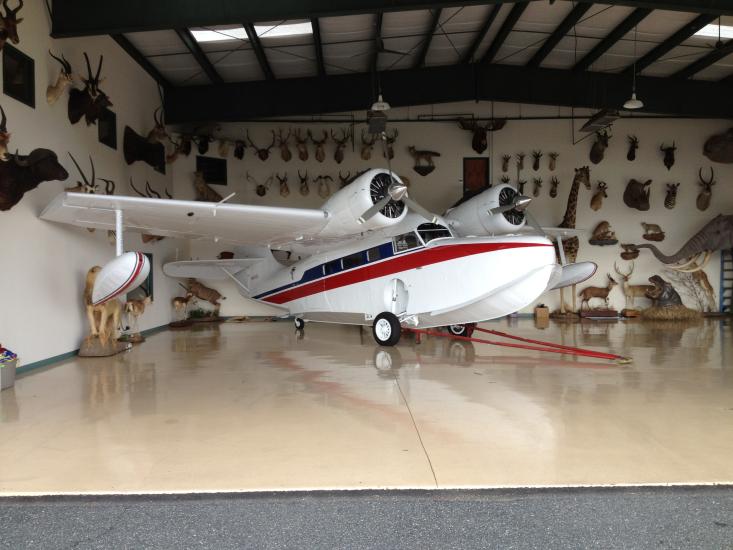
x=208, y=269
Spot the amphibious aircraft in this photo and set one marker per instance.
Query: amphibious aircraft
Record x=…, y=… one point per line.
x=370, y=256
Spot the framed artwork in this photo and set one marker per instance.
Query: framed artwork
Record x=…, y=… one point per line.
x=214, y=169
x=107, y=128
x=475, y=175
x=19, y=76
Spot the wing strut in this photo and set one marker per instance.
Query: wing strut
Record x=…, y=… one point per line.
x=119, y=238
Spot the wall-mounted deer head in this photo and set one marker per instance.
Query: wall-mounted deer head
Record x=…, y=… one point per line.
x=505, y=162
x=65, y=78
x=301, y=144
x=239, y=147
x=324, y=188
x=505, y=179
x=554, y=182
x=344, y=179
x=553, y=160
x=537, y=186
x=520, y=161
x=223, y=148
x=367, y=145
x=520, y=186
x=668, y=154
x=282, y=143
x=202, y=142
x=262, y=153
x=303, y=188
x=536, y=157
x=706, y=192
x=260, y=188
x=283, y=181
x=320, y=151
x=338, y=154
x=9, y=24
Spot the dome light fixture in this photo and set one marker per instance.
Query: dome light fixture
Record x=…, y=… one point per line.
x=380, y=104
x=633, y=103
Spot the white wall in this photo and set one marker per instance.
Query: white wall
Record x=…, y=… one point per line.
x=44, y=264
x=444, y=186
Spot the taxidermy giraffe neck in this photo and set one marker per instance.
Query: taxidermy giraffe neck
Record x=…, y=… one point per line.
x=569, y=220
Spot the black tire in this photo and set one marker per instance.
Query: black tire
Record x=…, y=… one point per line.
x=299, y=323
x=386, y=329
x=458, y=330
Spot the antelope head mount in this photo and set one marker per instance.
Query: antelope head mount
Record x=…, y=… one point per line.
x=65, y=78
x=367, y=145
x=282, y=143
x=344, y=179
x=536, y=157
x=91, y=101
x=239, y=147
x=505, y=162
x=86, y=185
x=668, y=154
x=553, y=160
x=4, y=135
x=320, y=151
x=283, y=181
x=389, y=140
x=479, y=139
x=554, y=182
x=260, y=188
x=301, y=144
x=303, y=188
x=9, y=24
x=633, y=146
x=596, y=200
x=338, y=154
x=706, y=191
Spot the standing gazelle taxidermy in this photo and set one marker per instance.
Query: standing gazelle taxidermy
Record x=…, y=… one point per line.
x=303, y=188
x=706, y=193
x=367, y=145
x=282, y=143
x=9, y=24
x=670, y=199
x=283, y=181
x=320, y=150
x=596, y=200
x=65, y=78
x=264, y=153
x=301, y=144
x=631, y=292
x=590, y=292
x=338, y=154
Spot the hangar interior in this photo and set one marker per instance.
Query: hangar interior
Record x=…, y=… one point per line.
x=245, y=402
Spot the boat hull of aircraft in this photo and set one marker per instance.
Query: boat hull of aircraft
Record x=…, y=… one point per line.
x=448, y=281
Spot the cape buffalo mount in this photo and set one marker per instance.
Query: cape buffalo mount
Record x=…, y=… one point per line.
x=719, y=148
x=19, y=174
x=636, y=194
x=147, y=149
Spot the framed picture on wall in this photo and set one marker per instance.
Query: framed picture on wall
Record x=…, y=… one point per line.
x=107, y=128
x=476, y=175
x=214, y=169
x=19, y=76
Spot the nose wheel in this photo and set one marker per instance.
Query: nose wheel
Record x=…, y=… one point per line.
x=387, y=329
x=462, y=330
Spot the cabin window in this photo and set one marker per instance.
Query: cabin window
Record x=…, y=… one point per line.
x=430, y=231
x=405, y=242
x=374, y=254
x=332, y=267
x=353, y=260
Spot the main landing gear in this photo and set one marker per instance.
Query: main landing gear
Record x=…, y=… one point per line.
x=387, y=329
x=462, y=330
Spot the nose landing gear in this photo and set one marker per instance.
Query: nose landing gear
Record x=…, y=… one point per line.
x=387, y=329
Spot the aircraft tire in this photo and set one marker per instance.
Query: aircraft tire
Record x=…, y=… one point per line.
x=386, y=329
x=462, y=330
x=299, y=323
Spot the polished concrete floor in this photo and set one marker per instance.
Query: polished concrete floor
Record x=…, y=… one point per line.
x=256, y=406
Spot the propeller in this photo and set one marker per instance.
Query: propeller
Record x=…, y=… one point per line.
x=520, y=203
x=397, y=192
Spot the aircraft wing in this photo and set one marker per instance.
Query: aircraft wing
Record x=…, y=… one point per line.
x=232, y=223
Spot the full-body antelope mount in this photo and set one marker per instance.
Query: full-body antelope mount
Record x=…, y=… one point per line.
x=65, y=78
x=631, y=292
x=423, y=160
x=571, y=245
x=590, y=292
x=103, y=318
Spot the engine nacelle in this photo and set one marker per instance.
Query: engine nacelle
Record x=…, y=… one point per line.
x=472, y=217
x=347, y=205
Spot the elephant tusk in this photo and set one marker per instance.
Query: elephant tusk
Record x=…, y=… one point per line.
x=701, y=266
x=687, y=263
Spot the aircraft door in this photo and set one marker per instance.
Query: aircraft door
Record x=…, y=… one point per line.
x=398, y=297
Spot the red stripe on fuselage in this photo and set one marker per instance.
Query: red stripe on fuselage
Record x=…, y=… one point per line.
x=396, y=264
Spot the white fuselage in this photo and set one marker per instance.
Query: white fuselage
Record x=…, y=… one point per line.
x=425, y=282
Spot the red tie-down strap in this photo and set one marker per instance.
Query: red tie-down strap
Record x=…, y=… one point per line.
x=548, y=347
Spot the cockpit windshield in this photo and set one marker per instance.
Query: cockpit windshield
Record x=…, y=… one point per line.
x=430, y=231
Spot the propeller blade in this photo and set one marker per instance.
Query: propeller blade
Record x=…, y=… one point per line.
x=376, y=207
x=520, y=203
x=412, y=205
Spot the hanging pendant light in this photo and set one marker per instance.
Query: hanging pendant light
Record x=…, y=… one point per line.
x=633, y=102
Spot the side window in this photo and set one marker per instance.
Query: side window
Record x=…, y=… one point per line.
x=332, y=267
x=374, y=254
x=405, y=242
x=353, y=260
x=430, y=231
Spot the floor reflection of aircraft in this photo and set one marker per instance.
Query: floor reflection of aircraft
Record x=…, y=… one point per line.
x=362, y=258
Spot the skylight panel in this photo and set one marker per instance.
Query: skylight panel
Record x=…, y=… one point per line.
x=726, y=31
x=232, y=33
